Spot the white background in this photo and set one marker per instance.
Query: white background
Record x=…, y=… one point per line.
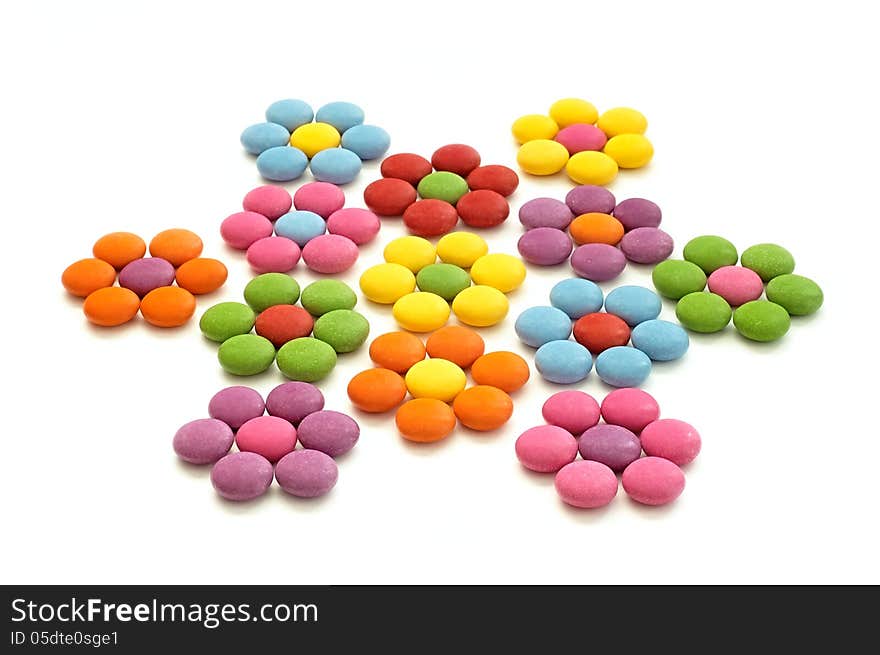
x=764, y=119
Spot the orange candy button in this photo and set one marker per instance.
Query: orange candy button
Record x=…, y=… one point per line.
x=119, y=248
x=483, y=408
x=425, y=420
x=376, y=390
x=87, y=275
x=397, y=351
x=201, y=275
x=460, y=345
x=504, y=370
x=168, y=306
x=176, y=246
x=111, y=306
x=596, y=228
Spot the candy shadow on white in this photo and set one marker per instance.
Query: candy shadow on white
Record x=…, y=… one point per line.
x=649, y=512
x=536, y=478
x=241, y=506
x=426, y=449
x=298, y=504
x=585, y=515
x=194, y=471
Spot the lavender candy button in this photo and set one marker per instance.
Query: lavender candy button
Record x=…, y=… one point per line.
x=306, y=473
x=294, y=401
x=590, y=198
x=330, y=432
x=144, y=275
x=612, y=445
x=637, y=212
x=242, y=476
x=203, y=441
x=598, y=262
x=545, y=212
x=646, y=245
x=235, y=406
x=544, y=246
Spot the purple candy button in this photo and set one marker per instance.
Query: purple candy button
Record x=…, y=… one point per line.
x=646, y=245
x=294, y=401
x=544, y=246
x=235, y=406
x=598, y=262
x=203, y=441
x=330, y=432
x=242, y=476
x=612, y=445
x=306, y=473
x=144, y=275
x=590, y=198
x=545, y=212
x=637, y=212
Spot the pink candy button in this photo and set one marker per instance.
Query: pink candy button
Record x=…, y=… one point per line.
x=359, y=225
x=322, y=198
x=736, y=284
x=630, y=408
x=671, y=439
x=330, y=253
x=269, y=436
x=574, y=411
x=241, y=229
x=546, y=449
x=269, y=200
x=653, y=481
x=273, y=255
x=586, y=484
x=579, y=137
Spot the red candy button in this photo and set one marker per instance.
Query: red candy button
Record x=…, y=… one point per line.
x=499, y=179
x=282, y=323
x=430, y=218
x=482, y=208
x=456, y=158
x=600, y=331
x=406, y=166
x=389, y=196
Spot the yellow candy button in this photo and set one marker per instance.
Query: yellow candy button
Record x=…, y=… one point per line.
x=629, y=150
x=503, y=272
x=534, y=126
x=421, y=311
x=480, y=306
x=622, y=120
x=312, y=138
x=413, y=252
x=569, y=111
x=542, y=157
x=387, y=283
x=435, y=378
x=461, y=248
x=591, y=167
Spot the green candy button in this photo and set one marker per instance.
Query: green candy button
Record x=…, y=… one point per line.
x=761, y=320
x=226, y=319
x=246, y=354
x=443, y=185
x=326, y=295
x=271, y=289
x=710, y=253
x=306, y=359
x=703, y=312
x=768, y=260
x=798, y=294
x=675, y=278
x=343, y=329
x=446, y=280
